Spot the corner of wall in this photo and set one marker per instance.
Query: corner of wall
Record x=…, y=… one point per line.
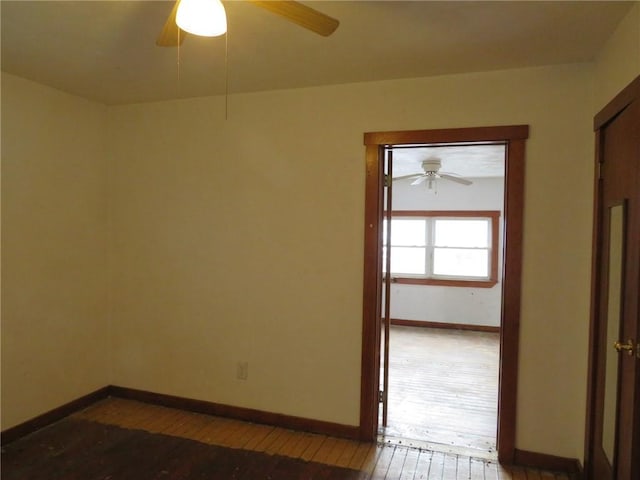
x=618, y=62
x=53, y=247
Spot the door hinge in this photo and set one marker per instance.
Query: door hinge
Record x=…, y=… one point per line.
x=387, y=180
x=381, y=396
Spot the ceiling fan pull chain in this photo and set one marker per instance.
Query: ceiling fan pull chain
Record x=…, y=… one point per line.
x=226, y=75
x=178, y=63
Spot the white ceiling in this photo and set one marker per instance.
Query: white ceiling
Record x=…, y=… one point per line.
x=472, y=161
x=105, y=50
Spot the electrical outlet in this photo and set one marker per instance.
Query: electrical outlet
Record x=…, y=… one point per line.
x=242, y=372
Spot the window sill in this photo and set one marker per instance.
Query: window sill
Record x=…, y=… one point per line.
x=444, y=283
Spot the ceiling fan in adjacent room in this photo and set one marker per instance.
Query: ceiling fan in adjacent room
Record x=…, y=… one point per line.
x=208, y=18
x=431, y=167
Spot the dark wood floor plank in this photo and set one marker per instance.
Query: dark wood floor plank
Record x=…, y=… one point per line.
x=276, y=444
x=291, y=468
x=226, y=464
x=29, y=457
x=244, y=435
x=312, y=471
x=185, y=426
x=324, y=452
x=304, y=442
x=166, y=422
x=382, y=464
x=315, y=443
x=289, y=444
x=343, y=452
x=366, y=457
x=141, y=418
x=80, y=447
x=219, y=430
x=203, y=432
x=518, y=473
x=348, y=451
x=173, y=458
x=532, y=474
x=259, y=434
x=260, y=467
x=346, y=474
x=225, y=434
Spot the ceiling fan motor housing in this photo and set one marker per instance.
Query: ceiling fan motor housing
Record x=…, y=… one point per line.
x=431, y=165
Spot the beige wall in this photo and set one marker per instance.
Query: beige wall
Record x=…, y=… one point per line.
x=54, y=347
x=619, y=60
x=243, y=240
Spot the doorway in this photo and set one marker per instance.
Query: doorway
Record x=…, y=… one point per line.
x=513, y=137
x=442, y=261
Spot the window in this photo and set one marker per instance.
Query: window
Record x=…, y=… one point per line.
x=457, y=248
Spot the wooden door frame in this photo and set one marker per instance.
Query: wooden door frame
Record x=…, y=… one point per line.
x=514, y=137
x=620, y=102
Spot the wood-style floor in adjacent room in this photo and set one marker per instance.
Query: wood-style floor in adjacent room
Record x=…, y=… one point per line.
x=118, y=439
x=443, y=389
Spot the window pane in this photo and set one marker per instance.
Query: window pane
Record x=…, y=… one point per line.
x=408, y=260
x=407, y=232
x=405, y=260
x=460, y=262
x=462, y=233
x=384, y=259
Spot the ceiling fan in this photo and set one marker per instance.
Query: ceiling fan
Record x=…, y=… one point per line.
x=307, y=17
x=431, y=167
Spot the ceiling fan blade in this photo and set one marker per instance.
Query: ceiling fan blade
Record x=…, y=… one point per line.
x=413, y=175
x=301, y=15
x=461, y=180
x=171, y=35
x=419, y=180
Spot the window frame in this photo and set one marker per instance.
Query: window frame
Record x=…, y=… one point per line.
x=492, y=215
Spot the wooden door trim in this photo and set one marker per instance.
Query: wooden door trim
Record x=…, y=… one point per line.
x=452, y=135
x=371, y=311
x=511, y=290
x=594, y=327
x=514, y=137
x=628, y=95
x=620, y=102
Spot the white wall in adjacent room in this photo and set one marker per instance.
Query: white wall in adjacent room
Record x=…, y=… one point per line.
x=446, y=304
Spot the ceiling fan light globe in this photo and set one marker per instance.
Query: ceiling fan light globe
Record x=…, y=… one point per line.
x=206, y=18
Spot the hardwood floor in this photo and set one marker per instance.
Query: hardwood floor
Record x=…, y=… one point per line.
x=443, y=389
x=123, y=439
